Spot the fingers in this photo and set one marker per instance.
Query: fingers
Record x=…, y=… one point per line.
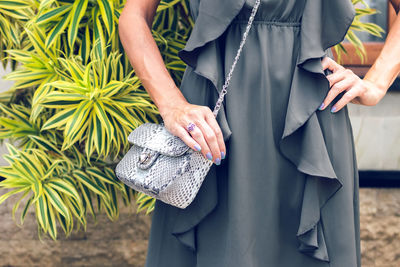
x=341, y=84
x=205, y=137
x=195, y=139
x=340, y=80
x=198, y=135
x=212, y=150
x=218, y=133
x=336, y=77
x=346, y=98
x=329, y=63
x=185, y=136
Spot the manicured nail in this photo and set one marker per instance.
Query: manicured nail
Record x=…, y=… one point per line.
x=222, y=155
x=209, y=156
x=322, y=105
x=217, y=161
x=333, y=109
x=197, y=147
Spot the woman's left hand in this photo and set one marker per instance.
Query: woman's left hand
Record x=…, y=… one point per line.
x=358, y=91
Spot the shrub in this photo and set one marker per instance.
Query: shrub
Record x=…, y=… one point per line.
x=75, y=100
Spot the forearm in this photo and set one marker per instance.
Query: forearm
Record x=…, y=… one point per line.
x=146, y=60
x=387, y=66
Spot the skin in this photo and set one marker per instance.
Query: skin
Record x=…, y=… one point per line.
x=373, y=87
x=175, y=110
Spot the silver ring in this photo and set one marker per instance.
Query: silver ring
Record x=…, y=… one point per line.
x=190, y=127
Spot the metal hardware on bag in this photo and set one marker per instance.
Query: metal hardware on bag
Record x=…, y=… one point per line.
x=144, y=157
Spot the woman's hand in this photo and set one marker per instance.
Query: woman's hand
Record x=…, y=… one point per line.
x=205, y=137
x=149, y=66
x=358, y=91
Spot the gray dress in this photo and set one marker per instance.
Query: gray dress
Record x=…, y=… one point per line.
x=286, y=195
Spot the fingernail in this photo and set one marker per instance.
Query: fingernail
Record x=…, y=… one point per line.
x=222, y=155
x=197, y=147
x=209, y=156
x=217, y=161
x=333, y=109
x=322, y=105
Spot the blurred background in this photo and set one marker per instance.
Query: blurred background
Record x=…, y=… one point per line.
x=118, y=235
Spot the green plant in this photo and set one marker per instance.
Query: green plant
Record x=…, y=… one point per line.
x=362, y=10
x=74, y=101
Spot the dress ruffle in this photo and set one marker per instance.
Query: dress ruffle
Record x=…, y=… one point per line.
x=212, y=18
x=324, y=24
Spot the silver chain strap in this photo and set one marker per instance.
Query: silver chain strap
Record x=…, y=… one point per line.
x=223, y=91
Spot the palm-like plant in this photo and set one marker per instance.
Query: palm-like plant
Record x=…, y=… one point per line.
x=362, y=10
x=74, y=101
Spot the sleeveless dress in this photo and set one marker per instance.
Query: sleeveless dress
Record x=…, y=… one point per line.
x=286, y=195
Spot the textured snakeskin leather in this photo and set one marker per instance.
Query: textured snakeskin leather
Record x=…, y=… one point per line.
x=161, y=165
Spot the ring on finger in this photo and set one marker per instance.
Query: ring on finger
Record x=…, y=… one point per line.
x=190, y=127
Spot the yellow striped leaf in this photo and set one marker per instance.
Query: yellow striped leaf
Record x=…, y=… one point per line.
x=69, y=87
x=57, y=202
x=41, y=212
x=85, y=179
x=78, y=10
x=84, y=49
x=101, y=114
x=53, y=13
x=64, y=187
x=57, y=30
x=52, y=221
x=25, y=210
x=88, y=204
x=16, y=14
x=10, y=193
x=78, y=119
x=76, y=209
x=60, y=119
x=16, y=4
x=107, y=11
x=95, y=172
x=16, y=205
x=62, y=100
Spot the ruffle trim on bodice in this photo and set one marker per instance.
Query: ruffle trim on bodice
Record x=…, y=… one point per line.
x=324, y=24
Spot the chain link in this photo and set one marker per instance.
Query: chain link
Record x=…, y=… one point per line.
x=224, y=91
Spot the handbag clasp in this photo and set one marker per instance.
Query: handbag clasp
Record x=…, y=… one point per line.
x=146, y=158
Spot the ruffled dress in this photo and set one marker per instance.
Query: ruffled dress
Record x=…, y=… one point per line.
x=286, y=195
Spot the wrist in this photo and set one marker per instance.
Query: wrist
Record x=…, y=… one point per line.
x=372, y=92
x=376, y=84
x=169, y=103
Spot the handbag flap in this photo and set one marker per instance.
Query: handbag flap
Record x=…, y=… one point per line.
x=156, y=137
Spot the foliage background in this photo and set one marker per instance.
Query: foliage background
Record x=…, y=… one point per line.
x=75, y=100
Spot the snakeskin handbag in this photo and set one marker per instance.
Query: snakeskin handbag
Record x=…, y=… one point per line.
x=159, y=164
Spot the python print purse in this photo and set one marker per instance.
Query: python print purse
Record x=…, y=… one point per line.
x=159, y=164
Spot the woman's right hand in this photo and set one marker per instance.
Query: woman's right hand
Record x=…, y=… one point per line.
x=146, y=60
x=206, y=136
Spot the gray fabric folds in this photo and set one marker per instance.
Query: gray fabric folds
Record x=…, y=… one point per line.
x=318, y=144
